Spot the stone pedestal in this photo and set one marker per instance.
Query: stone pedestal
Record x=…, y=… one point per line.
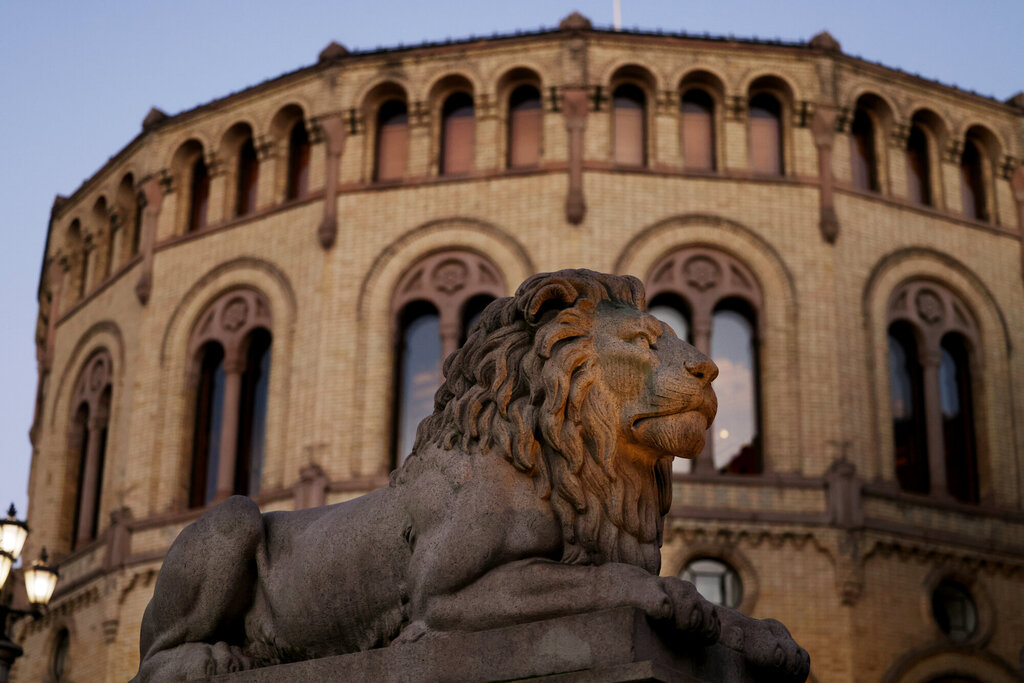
x=608, y=646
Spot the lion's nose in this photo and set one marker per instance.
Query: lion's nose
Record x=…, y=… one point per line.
x=702, y=367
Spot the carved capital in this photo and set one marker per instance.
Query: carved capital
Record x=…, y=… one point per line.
x=736, y=108
x=823, y=126
x=899, y=133
x=144, y=287
x=1017, y=185
x=828, y=224
x=954, y=150
x=333, y=128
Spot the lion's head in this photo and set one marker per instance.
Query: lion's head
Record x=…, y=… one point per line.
x=578, y=388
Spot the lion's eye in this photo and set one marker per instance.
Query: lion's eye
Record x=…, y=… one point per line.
x=643, y=340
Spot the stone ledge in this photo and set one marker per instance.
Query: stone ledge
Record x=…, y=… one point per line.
x=613, y=645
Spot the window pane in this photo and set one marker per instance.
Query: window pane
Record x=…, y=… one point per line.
x=629, y=125
x=525, y=116
x=248, y=179
x=906, y=392
x=954, y=611
x=972, y=182
x=252, y=415
x=79, y=442
x=200, y=195
x=862, y=152
x=419, y=374
x=919, y=188
x=459, y=131
x=765, y=134
x=208, y=422
x=958, y=420
x=674, y=318
x=298, y=162
x=698, y=130
x=735, y=430
x=392, y=140
x=715, y=580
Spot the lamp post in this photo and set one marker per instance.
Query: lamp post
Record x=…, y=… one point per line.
x=40, y=580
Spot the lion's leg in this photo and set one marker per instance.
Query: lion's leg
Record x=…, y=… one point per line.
x=203, y=590
x=765, y=643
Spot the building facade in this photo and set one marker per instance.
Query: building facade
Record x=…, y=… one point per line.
x=255, y=296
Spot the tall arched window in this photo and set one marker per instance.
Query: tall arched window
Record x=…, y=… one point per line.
x=931, y=334
x=972, y=182
x=248, y=178
x=87, y=447
x=711, y=300
x=231, y=351
x=298, y=162
x=906, y=387
x=863, y=160
x=458, y=134
x=524, y=127
x=958, y=419
x=766, y=134
x=435, y=305
x=629, y=125
x=199, y=195
x=698, y=110
x=919, y=181
x=392, y=150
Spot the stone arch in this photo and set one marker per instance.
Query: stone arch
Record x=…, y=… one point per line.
x=858, y=90
x=504, y=86
x=369, y=102
x=285, y=120
x=509, y=258
x=633, y=67
x=786, y=84
x=171, y=461
x=993, y=391
x=201, y=138
x=777, y=318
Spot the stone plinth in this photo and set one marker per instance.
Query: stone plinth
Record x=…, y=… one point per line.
x=610, y=645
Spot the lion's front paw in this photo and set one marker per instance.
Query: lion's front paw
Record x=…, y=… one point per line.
x=693, y=615
x=768, y=644
x=224, y=658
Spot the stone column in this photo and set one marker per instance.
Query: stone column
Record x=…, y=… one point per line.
x=333, y=128
x=234, y=366
x=950, y=169
x=451, y=330
x=930, y=362
x=269, y=161
x=90, y=480
x=823, y=129
x=705, y=462
x=88, y=265
x=575, y=107
x=151, y=196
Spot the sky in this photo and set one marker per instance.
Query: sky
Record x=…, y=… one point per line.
x=77, y=78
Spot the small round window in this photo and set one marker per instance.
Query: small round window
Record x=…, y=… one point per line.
x=954, y=611
x=62, y=645
x=715, y=580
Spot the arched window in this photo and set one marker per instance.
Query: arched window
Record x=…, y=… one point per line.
x=248, y=178
x=698, y=110
x=524, y=127
x=392, y=140
x=629, y=125
x=972, y=182
x=199, y=195
x=140, y=205
x=458, y=134
x=711, y=300
x=298, y=162
x=766, y=134
x=863, y=160
x=957, y=419
x=88, y=445
x=919, y=182
x=231, y=351
x=931, y=334
x=906, y=387
x=435, y=305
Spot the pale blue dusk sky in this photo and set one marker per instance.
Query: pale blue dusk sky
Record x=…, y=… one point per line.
x=77, y=78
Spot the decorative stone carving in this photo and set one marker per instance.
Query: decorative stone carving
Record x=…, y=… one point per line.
x=702, y=273
x=537, y=489
x=230, y=318
x=96, y=376
x=929, y=306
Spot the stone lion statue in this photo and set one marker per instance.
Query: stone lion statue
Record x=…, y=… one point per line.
x=536, y=489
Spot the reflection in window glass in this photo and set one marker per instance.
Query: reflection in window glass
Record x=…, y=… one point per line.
x=673, y=317
x=419, y=374
x=957, y=420
x=954, y=611
x=252, y=427
x=716, y=581
x=471, y=312
x=735, y=430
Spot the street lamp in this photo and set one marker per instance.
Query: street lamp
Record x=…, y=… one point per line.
x=40, y=580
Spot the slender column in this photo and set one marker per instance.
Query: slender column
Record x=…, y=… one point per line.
x=823, y=129
x=90, y=479
x=575, y=106
x=450, y=333
x=151, y=196
x=234, y=366
x=1017, y=185
x=933, y=423
x=57, y=276
x=333, y=128
x=705, y=462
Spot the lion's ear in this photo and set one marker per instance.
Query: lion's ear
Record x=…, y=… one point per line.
x=548, y=300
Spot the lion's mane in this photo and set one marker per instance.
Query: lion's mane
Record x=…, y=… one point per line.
x=525, y=386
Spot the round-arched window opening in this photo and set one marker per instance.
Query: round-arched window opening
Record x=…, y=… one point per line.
x=59, y=665
x=955, y=611
x=716, y=581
